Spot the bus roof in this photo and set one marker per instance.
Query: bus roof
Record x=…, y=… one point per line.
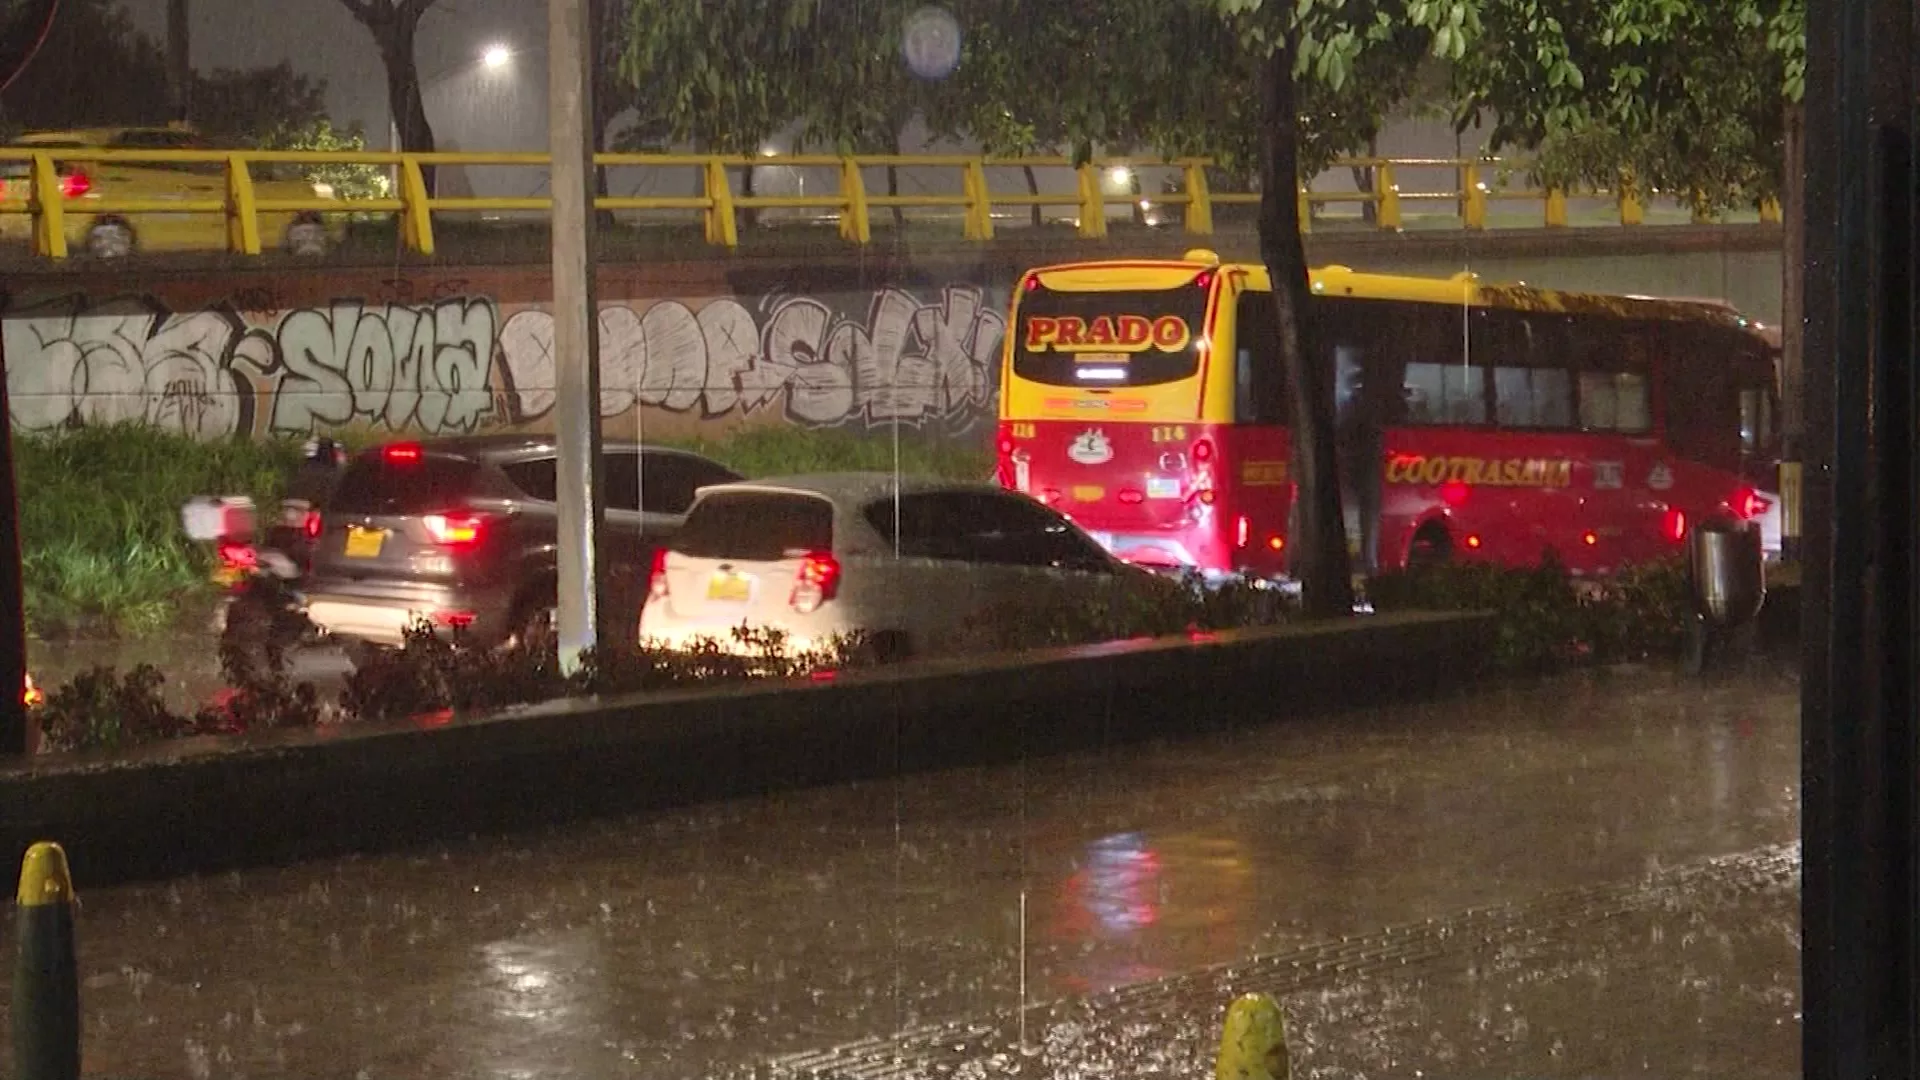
x=1336, y=280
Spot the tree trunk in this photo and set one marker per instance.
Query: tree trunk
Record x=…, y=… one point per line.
x=749, y=216
x=403, y=92
x=1319, y=541
x=1033, y=188
x=1793, y=216
x=179, y=61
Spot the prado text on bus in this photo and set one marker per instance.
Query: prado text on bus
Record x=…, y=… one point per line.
x=1147, y=400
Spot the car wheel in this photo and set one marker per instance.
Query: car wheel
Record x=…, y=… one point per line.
x=110, y=239
x=363, y=654
x=535, y=630
x=307, y=238
x=884, y=647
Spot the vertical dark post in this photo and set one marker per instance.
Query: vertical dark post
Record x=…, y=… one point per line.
x=13, y=615
x=1859, y=894
x=46, y=976
x=1793, y=264
x=179, y=61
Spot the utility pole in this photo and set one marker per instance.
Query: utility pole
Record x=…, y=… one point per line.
x=1859, y=707
x=576, y=328
x=179, y=61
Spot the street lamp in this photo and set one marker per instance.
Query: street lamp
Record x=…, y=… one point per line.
x=494, y=59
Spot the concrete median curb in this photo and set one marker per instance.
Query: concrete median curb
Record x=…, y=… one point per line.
x=208, y=804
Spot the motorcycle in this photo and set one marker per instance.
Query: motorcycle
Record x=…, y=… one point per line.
x=261, y=607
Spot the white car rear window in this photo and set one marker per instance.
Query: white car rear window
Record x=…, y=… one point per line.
x=756, y=526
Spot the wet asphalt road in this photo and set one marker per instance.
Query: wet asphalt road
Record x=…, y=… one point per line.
x=1592, y=875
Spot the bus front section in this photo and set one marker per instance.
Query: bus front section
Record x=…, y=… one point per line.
x=1106, y=414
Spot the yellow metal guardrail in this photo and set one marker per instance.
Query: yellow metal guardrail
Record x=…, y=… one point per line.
x=1479, y=183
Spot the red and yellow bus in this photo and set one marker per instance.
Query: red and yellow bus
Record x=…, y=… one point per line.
x=1146, y=400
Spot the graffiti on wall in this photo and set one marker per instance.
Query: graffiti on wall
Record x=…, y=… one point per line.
x=464, y=364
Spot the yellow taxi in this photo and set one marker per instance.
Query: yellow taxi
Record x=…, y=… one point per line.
x=85, y=184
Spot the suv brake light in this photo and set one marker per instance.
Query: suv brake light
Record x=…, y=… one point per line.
x=816, y=583
x=657, y=580
x=455, y=530
x=402, y=453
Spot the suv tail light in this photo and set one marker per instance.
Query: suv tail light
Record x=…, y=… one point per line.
x=816, y=583
x=75, y=184
x=401, y=453
x=456, y=529
x=657, y=580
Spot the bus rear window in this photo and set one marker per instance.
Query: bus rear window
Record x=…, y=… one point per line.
x=1106, y=339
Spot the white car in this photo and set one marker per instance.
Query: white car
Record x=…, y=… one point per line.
x=905, y=561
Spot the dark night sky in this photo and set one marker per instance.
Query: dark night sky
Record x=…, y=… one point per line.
x=470, y=107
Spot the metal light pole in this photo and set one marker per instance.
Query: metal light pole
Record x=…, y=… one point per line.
x=576, y=328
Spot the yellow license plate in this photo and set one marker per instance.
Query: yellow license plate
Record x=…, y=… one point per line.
x=365, y=543
x=731, y=588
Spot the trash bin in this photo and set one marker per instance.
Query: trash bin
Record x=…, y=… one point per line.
x=1726, y=568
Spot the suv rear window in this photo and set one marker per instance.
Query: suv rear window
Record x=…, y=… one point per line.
x=373, y=485
x=755, y=526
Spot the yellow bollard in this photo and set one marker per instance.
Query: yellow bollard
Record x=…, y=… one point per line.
x=46, y=980
x=1254, y=1044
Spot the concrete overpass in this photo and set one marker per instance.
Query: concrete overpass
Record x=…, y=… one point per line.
x=790, y=327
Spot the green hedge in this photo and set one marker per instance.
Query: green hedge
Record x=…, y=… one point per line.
x=102, y=550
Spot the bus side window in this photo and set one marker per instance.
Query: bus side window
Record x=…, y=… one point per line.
x=1615, y=390
x=1756, y=420
x=1701, y=395
x=1445, y=382
x=1259, y=380
x=1532, y=388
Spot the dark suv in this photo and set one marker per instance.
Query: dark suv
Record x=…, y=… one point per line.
x=461, y=533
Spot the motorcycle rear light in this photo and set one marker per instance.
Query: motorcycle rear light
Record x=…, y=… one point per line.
x=74, y=185
x=402, y=453
x=312, y=524
x=657, y=580
x=455, y=530
x=238, y=556
x=816, y=582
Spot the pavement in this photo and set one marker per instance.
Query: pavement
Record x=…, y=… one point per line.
x=1590, y=875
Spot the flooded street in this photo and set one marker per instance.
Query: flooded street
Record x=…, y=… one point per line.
x=1590, y=875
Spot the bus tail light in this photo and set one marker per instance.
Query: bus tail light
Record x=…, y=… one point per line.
x=1749, y=504
x=1673, y=526
x=1033, y=282
x=75, y=184
x=1203, y=279
x=815, y=584
x=1243, y=530
x=1131, y=497
x=1203, y=451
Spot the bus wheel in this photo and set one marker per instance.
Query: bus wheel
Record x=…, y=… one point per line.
x=1431, y=547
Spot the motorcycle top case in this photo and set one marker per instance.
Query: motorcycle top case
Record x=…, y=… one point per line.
x=207, y=517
